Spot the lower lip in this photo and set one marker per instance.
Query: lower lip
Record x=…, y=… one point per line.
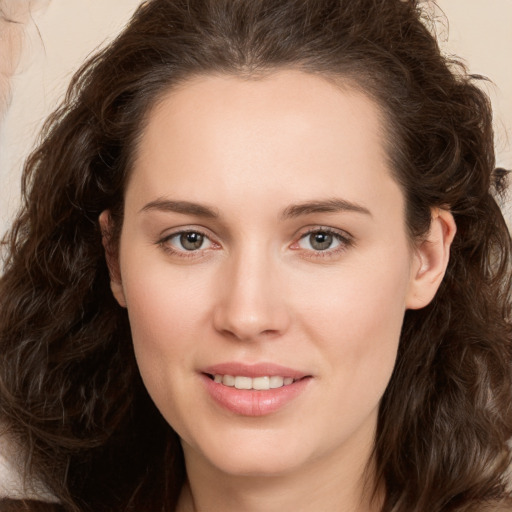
x=251, y=402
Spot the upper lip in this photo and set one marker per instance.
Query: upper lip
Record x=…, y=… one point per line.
x=253, y=370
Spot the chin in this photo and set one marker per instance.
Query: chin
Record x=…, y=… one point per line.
x=246, y=466
x=260, y=456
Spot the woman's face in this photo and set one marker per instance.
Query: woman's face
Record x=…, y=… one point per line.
x=264, y=243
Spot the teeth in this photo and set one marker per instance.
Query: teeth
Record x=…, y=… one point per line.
x=261, y=383
x=243, y=382
x=276, y=382
x=258, y=383
x=228, y=380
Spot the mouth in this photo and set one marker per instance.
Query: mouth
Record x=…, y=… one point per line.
x=261, y=383
x=254, y=389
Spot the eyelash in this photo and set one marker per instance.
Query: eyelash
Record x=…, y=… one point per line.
x=345, y=241
x=165, y=245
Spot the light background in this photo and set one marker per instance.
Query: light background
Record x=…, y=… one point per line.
x=59, y=35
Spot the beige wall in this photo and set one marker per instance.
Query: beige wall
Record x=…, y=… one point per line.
x=481, y=32
x=58, y=37
x=61, y=33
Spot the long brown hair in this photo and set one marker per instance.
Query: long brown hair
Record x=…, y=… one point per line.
x=69, y=386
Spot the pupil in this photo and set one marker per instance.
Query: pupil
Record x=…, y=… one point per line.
x=191, y=241
x=320, y=241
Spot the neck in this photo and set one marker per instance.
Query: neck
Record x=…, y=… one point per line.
x=319, y=486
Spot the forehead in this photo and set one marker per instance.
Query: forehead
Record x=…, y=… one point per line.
x=288, y=128
x=274, y=99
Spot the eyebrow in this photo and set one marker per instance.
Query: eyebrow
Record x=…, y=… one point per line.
x=333, y=205
x=184, y=207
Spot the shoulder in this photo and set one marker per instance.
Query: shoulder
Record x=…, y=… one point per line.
x=11, y=481
x=7, y=505
x=13, y=485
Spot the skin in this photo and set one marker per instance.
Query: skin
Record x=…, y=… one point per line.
x=258, y=290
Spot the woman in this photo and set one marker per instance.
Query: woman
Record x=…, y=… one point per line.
x=260, y=266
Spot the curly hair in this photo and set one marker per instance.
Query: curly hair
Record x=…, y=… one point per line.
x=70, y=391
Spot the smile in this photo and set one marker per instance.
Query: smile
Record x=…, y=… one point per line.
x=256, y=395
x=257, y=383
x=254, y=389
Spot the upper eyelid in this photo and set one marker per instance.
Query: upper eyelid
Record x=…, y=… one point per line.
x=179, y=233
x=326, y=229
x=164, y=243
x=169, y=233
x=301, y=233
x=345, y=239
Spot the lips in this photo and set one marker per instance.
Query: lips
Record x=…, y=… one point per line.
x=259, y=383
x=253, y=390
x=254, y=370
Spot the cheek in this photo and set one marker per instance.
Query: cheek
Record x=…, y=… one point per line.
x=163, y=309
x=360, y=298
x=356, y=317
x=164, y=321
x=160, y=306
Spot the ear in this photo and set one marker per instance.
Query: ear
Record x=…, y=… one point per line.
x=431, y=259
x=112, y=258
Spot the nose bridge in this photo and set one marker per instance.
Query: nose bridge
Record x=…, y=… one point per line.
x=251, y=303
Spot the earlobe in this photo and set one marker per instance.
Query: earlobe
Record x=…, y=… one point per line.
x=112, y=258
x=431, y=259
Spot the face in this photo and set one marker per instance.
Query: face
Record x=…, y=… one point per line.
x=264, y=247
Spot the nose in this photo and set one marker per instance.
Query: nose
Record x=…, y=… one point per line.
x=252, y=300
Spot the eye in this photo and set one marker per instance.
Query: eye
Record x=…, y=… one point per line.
x=323, y=242
x=318, y=241
x=188, y=241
